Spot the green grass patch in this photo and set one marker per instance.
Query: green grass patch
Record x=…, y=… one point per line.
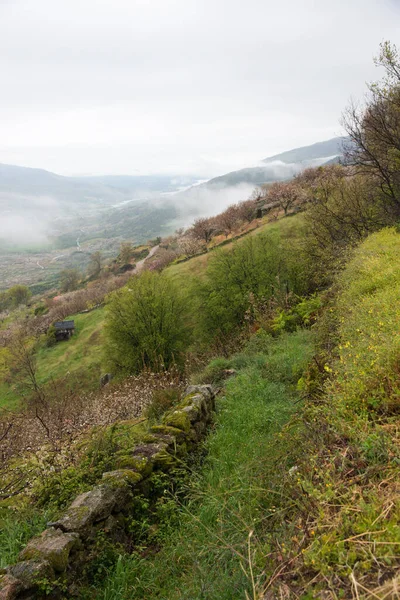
x=82, y=353
x=78, y=361
x=215, y=545
x=340, y=513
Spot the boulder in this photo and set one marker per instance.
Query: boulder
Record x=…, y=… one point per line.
x=23, y=577
x=178, y=419
x=122, y=476
x=52, y=546
x=10, y=587
x=94, y=506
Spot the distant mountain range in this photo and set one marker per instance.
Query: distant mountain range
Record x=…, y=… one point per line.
x=284, y=165
x=37, y=205
x=49, y=222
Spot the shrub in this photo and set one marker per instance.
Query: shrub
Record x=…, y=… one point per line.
x=258, y=268
x=146, y=325
x=162, y=401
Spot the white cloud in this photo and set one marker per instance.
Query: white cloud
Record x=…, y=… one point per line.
x=199, y=86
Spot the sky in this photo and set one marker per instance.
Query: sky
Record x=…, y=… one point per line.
x=196, y=87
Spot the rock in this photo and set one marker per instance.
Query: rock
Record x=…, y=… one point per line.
x=178, y=419
x=52, y=546
x=105, y=379
x=10, y=587
x=123, y=475
x=156, y=454
x=139, y=463
x=23, y=577
x=94, y=506
x=193, y=412
x=178, y=435
x=205, y=390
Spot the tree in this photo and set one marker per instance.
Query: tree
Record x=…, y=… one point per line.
x=204, y=228
x=374, y=132
x=125, y=253
x=228, y=220
x=69, y=280
x=189, y=245
x=258, y=268
x=247, y=210
x=284, y=194
x=95, y=264
x=146, y=325
x=17, y=295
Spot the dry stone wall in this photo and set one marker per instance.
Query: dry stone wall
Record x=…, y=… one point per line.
x=64, y=546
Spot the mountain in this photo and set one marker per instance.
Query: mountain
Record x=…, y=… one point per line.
x=282, y=166
x=19, y=183
x=318, y=151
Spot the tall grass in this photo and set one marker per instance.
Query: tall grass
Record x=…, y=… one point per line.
x=216, y=548
x=16, y=530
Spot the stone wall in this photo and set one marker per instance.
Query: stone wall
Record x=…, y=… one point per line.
x=63, y=547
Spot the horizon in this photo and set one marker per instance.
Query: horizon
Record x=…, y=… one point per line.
x=159, y=174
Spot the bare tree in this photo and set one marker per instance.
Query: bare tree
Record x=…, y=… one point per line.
x=374, y=131
x=229, y=219
x=204, y=228
x=284, y=194
x=247, y=210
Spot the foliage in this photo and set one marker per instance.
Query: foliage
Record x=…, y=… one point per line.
x=146, y=325
x=69, y=280
x=258, y=267
x=213, y=546
x=162, y=401
x=14, y=297
x=374, y=133
x=17, y=529
x=337, y=528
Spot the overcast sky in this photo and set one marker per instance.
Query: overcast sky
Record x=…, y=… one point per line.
x=179, y=86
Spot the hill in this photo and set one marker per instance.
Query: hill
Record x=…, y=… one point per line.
x=280, y=166
x=318, y=151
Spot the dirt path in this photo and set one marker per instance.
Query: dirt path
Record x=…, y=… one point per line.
x=140, y=264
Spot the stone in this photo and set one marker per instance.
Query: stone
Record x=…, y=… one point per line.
x=52, y=546
x=94, y=506
x=156, y=454
x=23, y=577
x=139, y=463
x=205, y=390
x=10, y=587
x=193, y=412
x=122, y=475
x=177, y=434
x=178, y=419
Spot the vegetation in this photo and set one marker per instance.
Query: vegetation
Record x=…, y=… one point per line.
x=297, y=320
x=146, y=325
x=214, y=540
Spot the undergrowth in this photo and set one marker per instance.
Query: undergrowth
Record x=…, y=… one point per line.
x=217, y=542
x=341, y=505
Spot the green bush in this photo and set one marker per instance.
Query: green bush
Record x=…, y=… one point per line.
x=146, y=325
x=259, y=268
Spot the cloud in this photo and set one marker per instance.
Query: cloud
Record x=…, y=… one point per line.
x=185, y=86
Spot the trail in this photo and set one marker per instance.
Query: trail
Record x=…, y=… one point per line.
x=140, y=264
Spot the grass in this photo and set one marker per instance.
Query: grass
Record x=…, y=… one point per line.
x=77, y=360
x=15, y=531
x=343, y=502
x=289, y=229
x=216, y=544
x=82, y=353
